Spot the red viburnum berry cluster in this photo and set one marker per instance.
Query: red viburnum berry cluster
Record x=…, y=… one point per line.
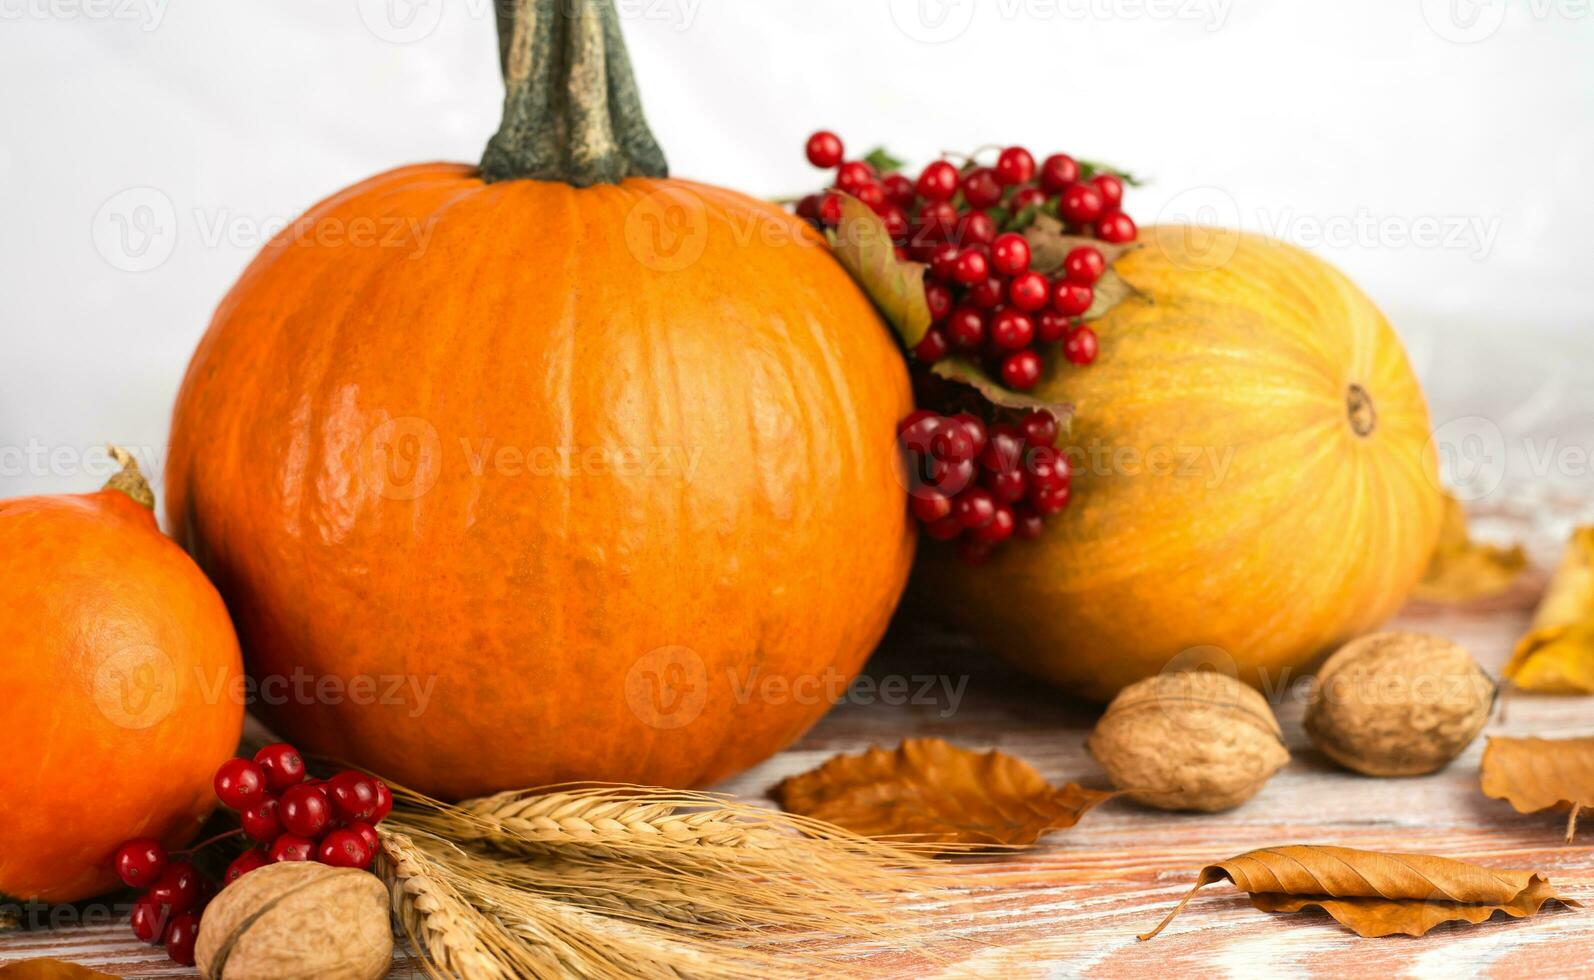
x=289, y=817
x=985, y=300
x=982, y=486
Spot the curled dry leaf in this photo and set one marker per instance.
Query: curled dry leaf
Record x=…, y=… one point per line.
x=1464, y=570
x=1376, y=894
x=965, y=372
x=929, y=791
x=1535, y=774
x=863, y=246
x=1557, y=655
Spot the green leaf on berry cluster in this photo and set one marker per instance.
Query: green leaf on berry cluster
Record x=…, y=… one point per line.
x=865, y=249
x=883, y=161
x=1090, y=168
x=968, y=373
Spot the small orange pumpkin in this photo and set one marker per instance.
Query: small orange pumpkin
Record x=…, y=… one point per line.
x=121, y=674
x=582, y=472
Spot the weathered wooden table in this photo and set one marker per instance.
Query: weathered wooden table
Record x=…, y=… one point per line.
x=1073, y=905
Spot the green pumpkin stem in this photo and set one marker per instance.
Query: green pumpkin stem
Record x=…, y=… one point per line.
x=130, y=479
x=571, y=108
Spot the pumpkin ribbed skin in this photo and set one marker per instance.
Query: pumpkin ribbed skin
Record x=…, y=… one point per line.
x=120, y=671
x=339, y=467
x=1222, y=495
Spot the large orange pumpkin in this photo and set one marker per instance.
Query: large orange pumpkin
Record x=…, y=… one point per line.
x=121, y=676
x=1254, y=482
x=577, y=471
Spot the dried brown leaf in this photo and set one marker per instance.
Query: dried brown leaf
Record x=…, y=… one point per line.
x=864, y=247
x=1376, y=894
x=968, y=373
x=1050, y=243
x=1536, y=774
x=1557, y=654
x=1464, y=570
x=929, y=791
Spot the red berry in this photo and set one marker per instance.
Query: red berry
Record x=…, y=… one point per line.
x=930, y=507
x=291, y=847
x=1081, y=346
x=808, y=208
x=303, y=810
x=873, y=195
x=971, y=267
x=1050, y=500
x=938, y=182
x=1010, y=254
x=1027, y=197
x=282, y=765
x=344, y=849
x=950, y=477
x=148, y=919
x=262, y=821
x=240, y=783
x=1029, y=291
x=939, y=299
x=140, y=861
x=932, y=347
x=965, y=328
x=1048, y=470
x=1084, y=265
x=1000, y=527
x=830, y=210
x=178, y=887
x=373, y=840
x=896, y=223
x=353, y=795
x=825, y=149
x=981, y=188
x=1072, y=299
x=944, y=530
x=1004, y=449
x=1015, y=166
x=974, y=551
x=917, y=427
x=1039, y=428
x=1057, y=172
x=1011, y=329
x=1116, y=227
x=1111, y=187
x=384, y=801
x=899, y=190
x=1006, y=486
x=976, y=228
x=987, y=295
x=936, y=221
x=243, y=864
x=1027, y=524
x=1051, y=327
x=974, y=507
x=180, y=936
x=974, y=427
x=944, y=260
x=1081, y=204
x=853, y=175
x=1022, y=370
x=952, y=444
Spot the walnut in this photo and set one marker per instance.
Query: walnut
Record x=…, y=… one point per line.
x=1189, y=741
x=297, y=919
x=1398, y=704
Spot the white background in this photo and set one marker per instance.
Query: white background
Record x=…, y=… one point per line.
x=1440, y=151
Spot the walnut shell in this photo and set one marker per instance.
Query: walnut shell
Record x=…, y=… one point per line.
x=297, y=919
x=1398, y=704
x=1189, y=741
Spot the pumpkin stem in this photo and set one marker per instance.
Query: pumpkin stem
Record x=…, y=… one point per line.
x=130, y=479
x=571, y=108
x=1359, y=408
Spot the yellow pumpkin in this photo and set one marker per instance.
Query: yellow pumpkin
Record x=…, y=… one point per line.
x=1253, y=478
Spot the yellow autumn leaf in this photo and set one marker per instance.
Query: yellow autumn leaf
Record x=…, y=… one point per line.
x=929, y=791
x=1536, y=774
x=1373, y=893
x=1464, y=570
x=1557, y=654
